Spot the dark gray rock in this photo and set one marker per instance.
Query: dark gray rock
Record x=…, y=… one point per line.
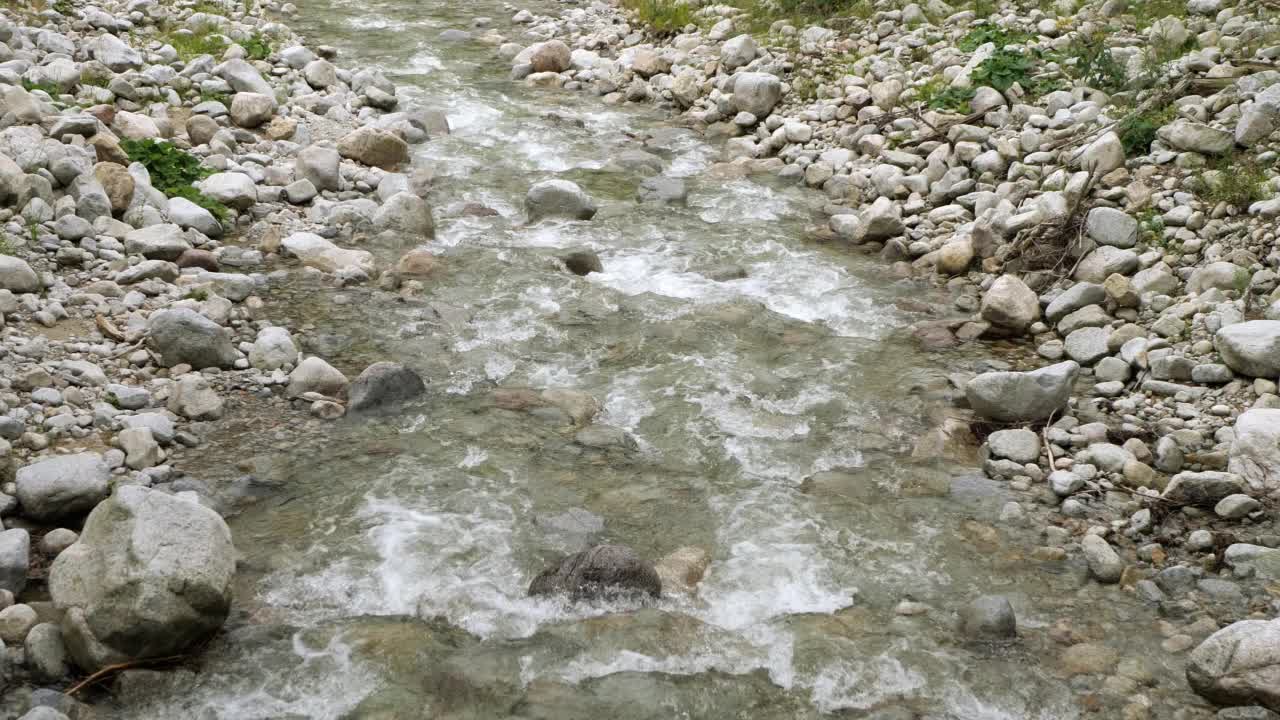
x=185, y=336
x=603, y=571
x=63, y=486
x=989, y=618
x=384, y=384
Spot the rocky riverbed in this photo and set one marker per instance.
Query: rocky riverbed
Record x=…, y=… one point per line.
x=205, y=217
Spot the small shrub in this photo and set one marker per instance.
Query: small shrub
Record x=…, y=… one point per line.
x=1236, y=181
x=1092, y=63
x=63, y=7
x=258, y=46
x=5, y=247
x=173, y=172
x=1147, y=12
x=937, y=95
x=50, y=88
x=984, y=34
x=95, y=80
x=1137, y=132
x=223, y=98
x=1003, y=69
x=664, y=16
x=209, y=8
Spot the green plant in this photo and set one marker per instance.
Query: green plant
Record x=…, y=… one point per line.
x=1146, y=12
x=258, y=46
x=63, y=7
x=1151, y=228
x=1138, y=131
x=1092, y=63
x=1235, y=181
x=33, y=231
x=984, y=34
x=936, y=94
x=223, y=98
x=1003, y=69
x=209, y=7
x=95, y=80
x=190, y=45
x=664, y=16
x=5, y=247
x=173, y=171
x=50, y=88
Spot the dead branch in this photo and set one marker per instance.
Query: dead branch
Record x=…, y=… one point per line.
x=118, y=667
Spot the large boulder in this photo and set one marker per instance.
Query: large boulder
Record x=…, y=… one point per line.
x=1251, y=348
x=314, y=251
x=233, y=189
x=1105, y=261
x=738, y=51
x=157, y=242
x=185, y=336
x=558, y=198
x=374, y=147
x=756, y=93
x=249, y=110
x=1197, y=137
x=186, y=214
x=319, y=165
x=114, y=53
x=1203, y=489
x=242, y=77
x=1239, y=665
x=1022, y=396
x=384, y=384
x=149, y=577
x=1255, y=452
x=1108, y=226
x=550, y=56
x=1010, y=306
x=603, y=571
x=17, y=276
x=408, y=214
x=65, y=486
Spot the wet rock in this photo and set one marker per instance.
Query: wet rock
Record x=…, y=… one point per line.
x=601, y=572
x=1022, y=396
x=1239, y=665
x=383, y=385
x=1104, y=564
x=661, y=189
x=406, y=214
x=1010, y=306
x=1255, y=452
x=989, y=618
x=1251, y=348
x=183, y=336
x=150, y=577
x=418, y=264
x=63, y=486
x=550, y=56
x=682, y=570
x=558, y=198
x=583, y=262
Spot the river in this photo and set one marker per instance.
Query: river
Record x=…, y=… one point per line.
x=772, y=398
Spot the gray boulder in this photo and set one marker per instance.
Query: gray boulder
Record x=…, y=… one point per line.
x=1197, y=137
x=1080, y=295
x=603, y=571
x=1018, y=445
x=1010, y=306
x=374, y=147
x=558, y=198
x=149, y=577
x=112, y=52
x=63, y=486
x=186, y=214
x=737, y=52
x=1203, y=489
x=193, y=398
x=407, y=214
x=233, y=189
x=1022, y=396
x=315, y=375
x=1239, y=665
x=319, y=165
x=46, y=654
x=17, y=276
x=1251, y=348
x=242, y=77
x=384, y=384
x=1108, y=226
x=250, y=110
x=1105, y=261
x=756, y=93
x=1255, y=452
x=272, y=349
x=157, y=242
x=184, y=336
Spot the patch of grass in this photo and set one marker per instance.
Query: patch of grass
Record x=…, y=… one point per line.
x=223, y=98
x=33, y=231
x=938, y=95
x=5, y=247
x=192, y=45
x=63, y=7
x=1137, y=132
x=663, y=16
x=1151, y=228
x=209, y=8
x=173, y=172
x=984, y=34
x=1147, y=12
x=50, y=88
x=258, y=46
x=95, y=80
x=1236, y=181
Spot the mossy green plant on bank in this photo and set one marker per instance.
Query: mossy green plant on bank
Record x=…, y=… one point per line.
x=663, y=16
x=174, y=172
x=1138, y=131
x=6, y=248
x=190, y=45
x=1235, y=180
x=258, y=46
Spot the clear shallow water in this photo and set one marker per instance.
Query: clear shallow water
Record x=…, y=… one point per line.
x=773, y=419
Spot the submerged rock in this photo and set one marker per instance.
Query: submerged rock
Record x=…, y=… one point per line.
x=600, y=572
x=558, y=198
x=382, y=385
x=989, y=618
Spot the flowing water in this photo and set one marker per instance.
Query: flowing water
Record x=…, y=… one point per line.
x=772, y=405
